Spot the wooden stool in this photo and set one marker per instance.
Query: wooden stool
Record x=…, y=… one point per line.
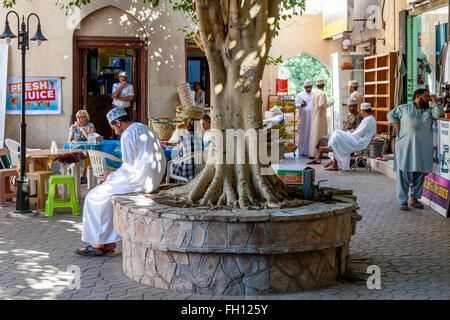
x=6, y=193
x=40, y=177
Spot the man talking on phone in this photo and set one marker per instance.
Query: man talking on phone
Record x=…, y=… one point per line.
x=123, y=94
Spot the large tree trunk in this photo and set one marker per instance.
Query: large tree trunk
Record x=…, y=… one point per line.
x=236, y=35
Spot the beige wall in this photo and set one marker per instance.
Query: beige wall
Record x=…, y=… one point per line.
x=166, y=56
x=301, y=34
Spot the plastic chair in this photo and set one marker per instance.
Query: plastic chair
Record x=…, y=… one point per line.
x=14, y=151
x=198, y=166
x=98, y=163
x=3, y=153
x=53, y=203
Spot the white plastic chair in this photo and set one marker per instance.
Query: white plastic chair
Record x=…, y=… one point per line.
x=98, y=163
x=198, y=167
x=14, y=151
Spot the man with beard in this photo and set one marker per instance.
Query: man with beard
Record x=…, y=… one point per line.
x=414, y=145
x=142, y=169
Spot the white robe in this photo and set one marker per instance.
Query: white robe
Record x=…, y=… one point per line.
x=344, y=143
x=142, y=169
x=304, y=123
x=319, y=124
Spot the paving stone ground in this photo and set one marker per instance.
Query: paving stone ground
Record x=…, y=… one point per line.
x=411, y=248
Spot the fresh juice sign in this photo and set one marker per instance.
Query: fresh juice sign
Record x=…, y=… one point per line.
x=42, y=96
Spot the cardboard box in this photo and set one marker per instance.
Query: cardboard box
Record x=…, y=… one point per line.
x=291, y=174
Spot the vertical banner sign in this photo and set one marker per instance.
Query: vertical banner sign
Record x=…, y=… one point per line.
x=3, y=80
x=42, y=96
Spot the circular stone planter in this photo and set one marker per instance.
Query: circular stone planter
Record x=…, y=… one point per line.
x=234, y=252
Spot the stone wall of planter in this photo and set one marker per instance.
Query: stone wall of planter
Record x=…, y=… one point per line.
x=234, y=252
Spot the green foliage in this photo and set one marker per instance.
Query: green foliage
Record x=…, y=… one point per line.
x=274, y=61
x=289, y=8
x=8, y=3
x=304, y=67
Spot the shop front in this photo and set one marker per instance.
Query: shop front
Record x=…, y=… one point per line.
x=426, y=34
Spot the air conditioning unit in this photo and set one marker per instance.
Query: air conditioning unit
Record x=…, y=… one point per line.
x=414, y=1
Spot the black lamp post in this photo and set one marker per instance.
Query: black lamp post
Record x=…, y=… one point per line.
x=22, y=201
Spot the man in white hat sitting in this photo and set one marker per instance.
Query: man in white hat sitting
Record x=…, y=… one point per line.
x=142, y=170
x=123, y=93
x=354, y=118
x=304, y=101
x=355, y=94
x=344, y=143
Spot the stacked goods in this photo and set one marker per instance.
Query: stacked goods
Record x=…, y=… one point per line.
x=289, y=104
x=191, y=112
x=187, y=97
x=188, y=108
x=346, y=66
x=272, y=124
x=164, y=128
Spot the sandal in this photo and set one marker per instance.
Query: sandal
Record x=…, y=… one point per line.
x=331, y=169
x=89, y=251
x=404, y=206
x=416, y=204
x=314, y=162
x=328, y=164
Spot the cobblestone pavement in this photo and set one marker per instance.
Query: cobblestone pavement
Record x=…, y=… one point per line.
x=411, y=248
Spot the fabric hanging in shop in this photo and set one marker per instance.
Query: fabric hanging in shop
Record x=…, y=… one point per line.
x=400, y=72
x=444, y=61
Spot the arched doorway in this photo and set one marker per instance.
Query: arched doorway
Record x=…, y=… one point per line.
x=303, y=67
x=107, y=42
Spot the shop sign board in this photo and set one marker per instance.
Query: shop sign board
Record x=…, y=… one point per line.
x=3, y=78
x=444, y=151
x=435, y=193
x=337, y=17
x=42, y=96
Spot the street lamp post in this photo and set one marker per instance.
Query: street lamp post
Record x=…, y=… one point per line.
x=22, y=200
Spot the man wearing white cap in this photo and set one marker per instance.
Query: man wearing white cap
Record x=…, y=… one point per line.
x=319, y=125
x=343, y=143
x=355, y=94
x=123, y=93
x=142, y=170
x=354, y=118
x=304, y=101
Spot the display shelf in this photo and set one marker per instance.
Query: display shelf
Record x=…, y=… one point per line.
x=340, y=77
x=380, y=70
x=289, y=117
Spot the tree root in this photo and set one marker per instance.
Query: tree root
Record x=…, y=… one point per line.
x=240, y=186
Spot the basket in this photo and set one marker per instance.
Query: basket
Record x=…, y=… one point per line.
x=290, y=148
x=375, y=149
x=186, y=95
x=163, y=128
x=189, y=112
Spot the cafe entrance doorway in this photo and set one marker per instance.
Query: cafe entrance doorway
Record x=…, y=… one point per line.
x=97, y=64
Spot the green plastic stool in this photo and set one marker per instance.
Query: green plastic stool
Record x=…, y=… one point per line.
x=53, y=203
